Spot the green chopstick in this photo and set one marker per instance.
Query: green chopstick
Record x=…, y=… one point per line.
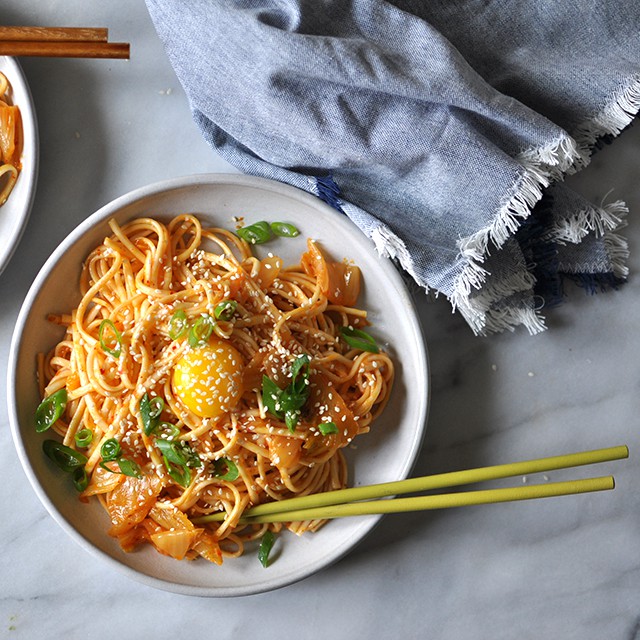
x=347, y=502
x=440, y=501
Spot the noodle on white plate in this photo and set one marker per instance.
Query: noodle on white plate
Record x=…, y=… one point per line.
x=10, y=141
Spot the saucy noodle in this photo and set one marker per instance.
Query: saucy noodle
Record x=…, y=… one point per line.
x=10, y=141
x=208, y=380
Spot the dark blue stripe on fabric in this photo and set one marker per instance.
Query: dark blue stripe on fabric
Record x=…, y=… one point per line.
x=542, y=257
x=594, y=283
x=541, y=254
x=329, y=191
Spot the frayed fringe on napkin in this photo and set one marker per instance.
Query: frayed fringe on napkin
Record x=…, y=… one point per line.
x=543, y=166
x=444, y=134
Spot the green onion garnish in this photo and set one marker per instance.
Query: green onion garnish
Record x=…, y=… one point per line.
x=255, y=233
x=171, y=451
x=167, y=430
x=192, y=458
x=178, y=458
x=64, y=457
x=286, y=404
x=266, y=545
x=110, y=449
x=271, y=396
x=284, y=229
x=80, y=478
x=150, y=410
x=181, y=475
x=84, y=437
x=178, y=324
x=292, y=406
x=225, y=469
x=129, y=467
x=358, y=339
x=125, y=467
x=110, y=452
x=300, y=373
x=69, y=460
x=110, y=338
x=50, y=410
x=224, y=310
x=201, y=330
x=327, y=428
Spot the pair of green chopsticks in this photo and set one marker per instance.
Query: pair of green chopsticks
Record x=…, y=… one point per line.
x=360, y=501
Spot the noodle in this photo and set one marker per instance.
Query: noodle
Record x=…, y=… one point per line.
x=224, y=380
x=10, y=141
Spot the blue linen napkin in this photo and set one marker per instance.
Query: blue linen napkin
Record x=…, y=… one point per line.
x=442, y=129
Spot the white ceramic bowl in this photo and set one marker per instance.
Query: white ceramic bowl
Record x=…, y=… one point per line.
x=385, y=454
x=14, y=213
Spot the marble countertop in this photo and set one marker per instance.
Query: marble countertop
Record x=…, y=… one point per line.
x=558, y=568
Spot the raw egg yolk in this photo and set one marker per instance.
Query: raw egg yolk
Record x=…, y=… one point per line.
x=208, y=380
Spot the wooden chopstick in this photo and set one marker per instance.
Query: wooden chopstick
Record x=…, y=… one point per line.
x=57, y=34
x=65, y=49
x=60, y=42
x=353, y=495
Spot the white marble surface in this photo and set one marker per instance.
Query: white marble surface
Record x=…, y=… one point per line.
x=561, y=568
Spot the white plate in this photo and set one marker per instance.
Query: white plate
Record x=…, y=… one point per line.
x=385, y=454
x=15, y=211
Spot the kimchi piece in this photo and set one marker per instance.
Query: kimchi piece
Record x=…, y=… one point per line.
x=10, y=142
x=339, y=281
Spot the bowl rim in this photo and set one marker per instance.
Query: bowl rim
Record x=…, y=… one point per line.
x=30, y=150
x=98, y=217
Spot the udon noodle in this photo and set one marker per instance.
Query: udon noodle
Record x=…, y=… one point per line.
x=198, y=378
x=10, y=141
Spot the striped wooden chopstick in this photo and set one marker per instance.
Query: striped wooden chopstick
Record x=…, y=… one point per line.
x=60, y=42
x=366, y=500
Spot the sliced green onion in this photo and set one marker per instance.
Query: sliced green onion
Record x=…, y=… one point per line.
x=178, y=457
x=181, y=475
x=193, y=459
x=170, y=451
x=129, y=467
x=291, y=418
x=271, y=393
x=287, y=403
x=156, y=406
x=296, y=394
x=358, y=339
x=80, y=478
x=266, y=544
x=225, y=469
x=291, y=404
x=84, y=437
x=224, y=310
x=327, y=428
x=110, y=449
x=300, y=373
x=255, y=233
x=178, y=324
x=125, y=466
x=179, y=452
x=110, y=452
x=168, y=430
x=64, y=457
x=110, y=338
x=150, y=410
x=69, y=460
x=284, y=229
x=50, y=410
x=201, y=330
